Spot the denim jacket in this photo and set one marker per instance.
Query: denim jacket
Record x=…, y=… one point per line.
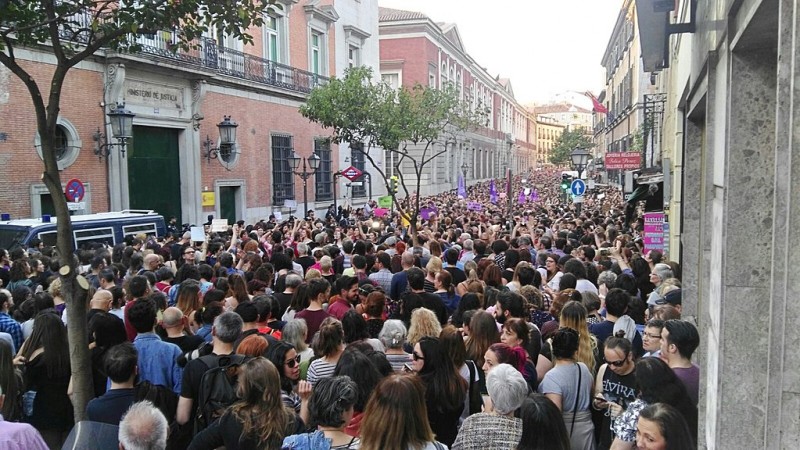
x=307, y=441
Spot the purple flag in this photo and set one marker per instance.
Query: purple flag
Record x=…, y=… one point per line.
x=492, y=193
x=426, y=213
x=462, y=188
x=534, y=196
x=521, y=198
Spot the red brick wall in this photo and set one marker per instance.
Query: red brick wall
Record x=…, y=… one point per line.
x=254, y=137
x=20, y=166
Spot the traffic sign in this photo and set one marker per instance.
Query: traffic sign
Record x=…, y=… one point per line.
x=74, y=190
x=352, y=173
x=578, y=187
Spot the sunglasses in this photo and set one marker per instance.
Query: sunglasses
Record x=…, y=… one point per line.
x=619, y=363
x=293, y=362
x=416, y=357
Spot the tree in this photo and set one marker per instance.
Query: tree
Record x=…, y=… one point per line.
x=415, y=125
x=74, y=30
x=566, y=143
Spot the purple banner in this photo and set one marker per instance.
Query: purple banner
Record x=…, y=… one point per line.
x=426, y=213
x=492, y=193
x=462, y=188
x=474, y=206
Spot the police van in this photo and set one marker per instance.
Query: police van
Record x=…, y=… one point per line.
x=108, y=228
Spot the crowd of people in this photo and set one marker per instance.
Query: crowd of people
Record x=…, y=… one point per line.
x=495, y=324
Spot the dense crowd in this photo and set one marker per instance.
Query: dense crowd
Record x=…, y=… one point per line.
x=506, y=320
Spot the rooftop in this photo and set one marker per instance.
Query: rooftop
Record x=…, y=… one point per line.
x=393, y=15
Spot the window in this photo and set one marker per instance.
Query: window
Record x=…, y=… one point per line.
x=271, y=37
x=324, y=176
x=353, y=56
x=282, y=176
x=316, y=52
x=68, y=144
x=432, y=80
x=104, y=235
x=392, y=79
x=146, y=228
x=357, y=158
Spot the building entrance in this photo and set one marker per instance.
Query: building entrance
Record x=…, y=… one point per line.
x=154, y=176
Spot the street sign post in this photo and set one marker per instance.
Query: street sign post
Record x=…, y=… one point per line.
x=352, y=173
x=578, y=187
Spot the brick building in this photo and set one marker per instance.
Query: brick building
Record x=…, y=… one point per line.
x=171, y=164
x=414, y=49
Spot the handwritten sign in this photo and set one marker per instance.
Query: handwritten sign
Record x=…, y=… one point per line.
x=653, y=231
x=153, y=94
x=219, y=225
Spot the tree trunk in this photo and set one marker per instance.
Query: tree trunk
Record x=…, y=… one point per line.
x=73, y=293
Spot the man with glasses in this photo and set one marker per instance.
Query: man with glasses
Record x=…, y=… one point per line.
x=651, y=340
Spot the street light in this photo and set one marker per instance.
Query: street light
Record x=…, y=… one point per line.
x=227, y=140
x=121, y=121
x=311, y=162
x=580, y=158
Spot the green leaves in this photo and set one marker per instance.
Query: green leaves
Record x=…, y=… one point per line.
x=566, y=143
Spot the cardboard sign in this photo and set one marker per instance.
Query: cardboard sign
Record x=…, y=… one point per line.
x=385, y=201
x=278, y=215
x=198, y=234
x=380, y=212
x=219, y=225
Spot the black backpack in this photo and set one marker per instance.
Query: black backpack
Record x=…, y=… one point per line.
x=160, y=396
x=217, y=388
x=474, y=389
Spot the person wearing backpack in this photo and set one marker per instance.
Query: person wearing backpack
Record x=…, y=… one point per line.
x=258, y=419
x=225, y=331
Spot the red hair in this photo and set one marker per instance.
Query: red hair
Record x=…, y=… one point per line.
x=515, y=356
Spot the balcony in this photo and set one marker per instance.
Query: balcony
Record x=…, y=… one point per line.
x=207, y=55
x=226, y=61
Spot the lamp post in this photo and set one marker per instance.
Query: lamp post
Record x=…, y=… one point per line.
x=580, y=158
x=311, y=162
x=227, y=139
x=121, y=121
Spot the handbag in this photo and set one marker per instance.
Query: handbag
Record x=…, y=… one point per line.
x=473, y=392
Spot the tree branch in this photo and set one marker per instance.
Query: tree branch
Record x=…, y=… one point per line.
x=52, y=27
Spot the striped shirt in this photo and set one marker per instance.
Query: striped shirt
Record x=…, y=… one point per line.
x=318, y=370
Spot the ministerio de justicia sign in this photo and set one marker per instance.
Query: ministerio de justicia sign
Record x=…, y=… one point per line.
x=151, y=94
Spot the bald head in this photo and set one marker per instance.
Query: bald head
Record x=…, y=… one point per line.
x=407, y=260
x=172, y=317
x=151, y=262
x=101, y=300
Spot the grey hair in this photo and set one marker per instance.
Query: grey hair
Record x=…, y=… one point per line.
x=228, y=327
x=143, y=427
x=393, y=334
x=662, y=271
x=293, y=280
x=332, y=396
x=302, y=249
x=608, y=278
x=294, y=332
x=468, y=244
x=507, y=388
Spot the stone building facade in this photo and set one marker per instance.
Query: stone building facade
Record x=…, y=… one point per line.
x=416, y=50
x=179, y=98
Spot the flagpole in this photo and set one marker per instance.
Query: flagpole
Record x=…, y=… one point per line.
x=510, y=201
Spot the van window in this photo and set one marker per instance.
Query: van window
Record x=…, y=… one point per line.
x=12, y=237
x=104, y=235
x=146, y=228
x=49, y=238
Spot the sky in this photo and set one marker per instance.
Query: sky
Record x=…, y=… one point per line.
x=546, y=48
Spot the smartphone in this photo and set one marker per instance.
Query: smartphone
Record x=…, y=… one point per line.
x=601, y=400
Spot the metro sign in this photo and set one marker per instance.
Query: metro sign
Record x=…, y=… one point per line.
x=352, y=173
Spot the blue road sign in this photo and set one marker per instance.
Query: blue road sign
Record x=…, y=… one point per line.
x=578, y=187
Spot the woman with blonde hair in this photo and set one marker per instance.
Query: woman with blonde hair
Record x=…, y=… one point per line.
x=259, y=419
x=423, y=323
x=573, y=315
x=432, y=269
x=396, y=417
x=471, y=269
x=188, y=299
